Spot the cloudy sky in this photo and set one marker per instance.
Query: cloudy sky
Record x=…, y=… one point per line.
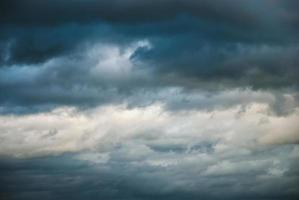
x=149, y=99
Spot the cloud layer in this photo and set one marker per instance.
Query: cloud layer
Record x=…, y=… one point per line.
x=150, y=152
x=137, y=99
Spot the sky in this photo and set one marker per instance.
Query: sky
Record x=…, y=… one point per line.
x=149, y=99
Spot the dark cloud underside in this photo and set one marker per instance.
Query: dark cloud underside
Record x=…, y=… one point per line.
x=64, y=177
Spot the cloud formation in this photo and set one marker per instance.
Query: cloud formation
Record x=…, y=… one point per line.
x=149, y=152
x=138, y=99
x=200, y=39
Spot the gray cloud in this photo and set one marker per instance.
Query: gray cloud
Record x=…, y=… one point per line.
x=136, y=99
x=57, y=66
x=194, y=45
x=130, y=10
x=57, y=177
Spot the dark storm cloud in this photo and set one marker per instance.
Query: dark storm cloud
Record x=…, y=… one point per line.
x=66, y=176
x=185, y=54
x=35, y=45
x=56, y=12
x=194, y=45
x=58, y=177
x=230, y=19
x=30, y=45
x=258, y=66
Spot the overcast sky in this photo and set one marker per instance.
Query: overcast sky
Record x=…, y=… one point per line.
x=149, y=99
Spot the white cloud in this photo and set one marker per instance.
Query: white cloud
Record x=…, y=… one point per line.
x=181, y=149
x=66, y=129
x=112, y=61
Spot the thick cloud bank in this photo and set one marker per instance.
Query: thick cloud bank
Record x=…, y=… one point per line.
x=140, y=99
x=146, y=153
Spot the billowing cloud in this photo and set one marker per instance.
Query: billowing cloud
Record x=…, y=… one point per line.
x=153, y=128
x=114, y=150
x=111, y=74
x=137, y=99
